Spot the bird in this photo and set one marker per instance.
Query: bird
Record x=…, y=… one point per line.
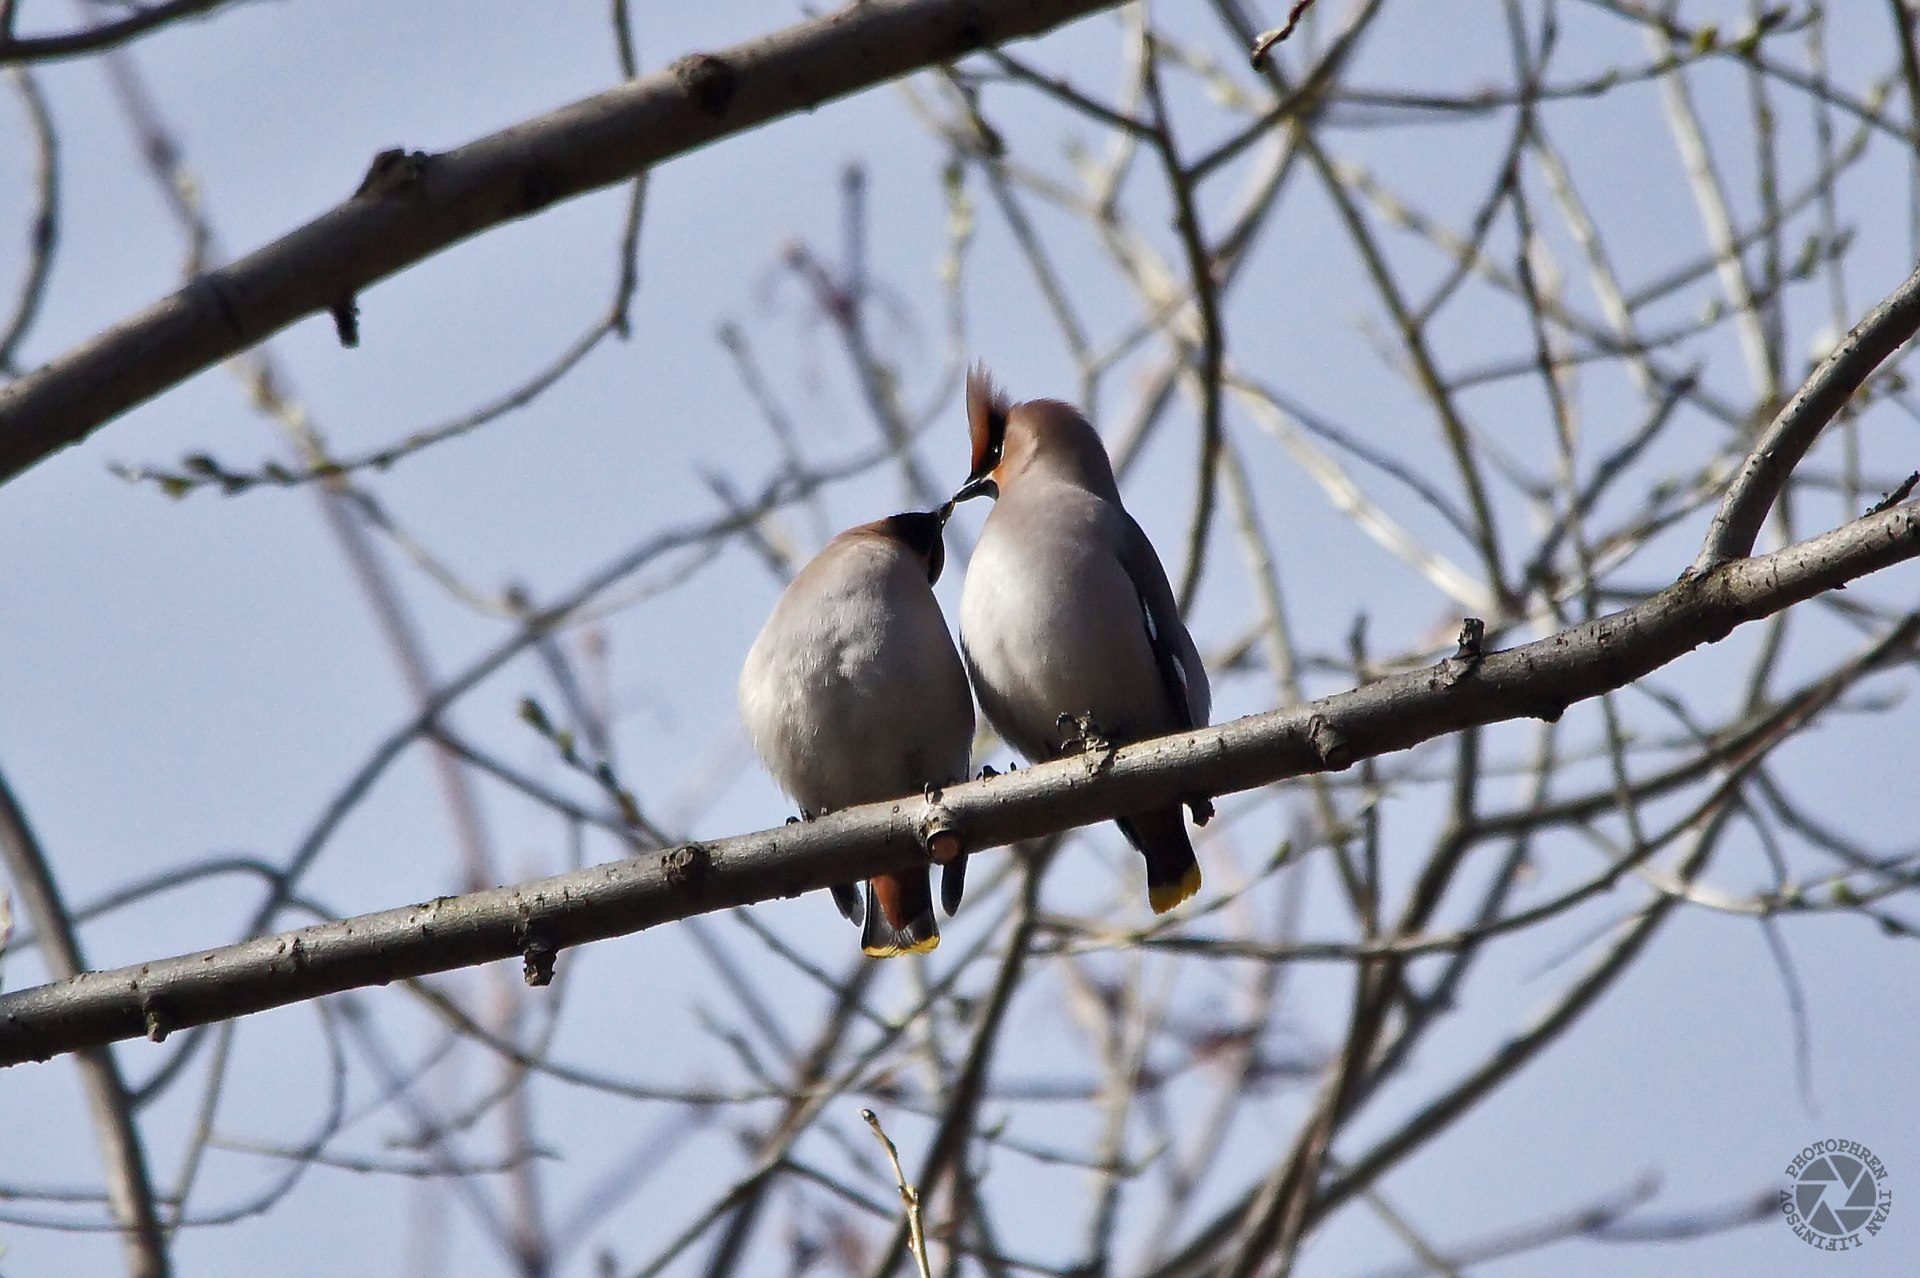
x=1068, y=625
x=853, y=693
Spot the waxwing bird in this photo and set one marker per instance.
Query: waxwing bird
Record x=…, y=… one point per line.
x=853, y=693
x=1067, y=621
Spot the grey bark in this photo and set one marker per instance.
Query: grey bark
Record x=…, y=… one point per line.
x=129, y=1186
x=1538, y=679
x=412, y=204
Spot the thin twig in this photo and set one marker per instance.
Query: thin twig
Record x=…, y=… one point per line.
x=129, y=1186
x=909, y=1197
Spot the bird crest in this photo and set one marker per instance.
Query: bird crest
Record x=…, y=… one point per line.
x=987, y=408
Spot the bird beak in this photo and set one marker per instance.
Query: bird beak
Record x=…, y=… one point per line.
x=978, y=486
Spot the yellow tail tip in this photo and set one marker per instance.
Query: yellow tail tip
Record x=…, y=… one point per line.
x=894, y=950
x=1164, y=897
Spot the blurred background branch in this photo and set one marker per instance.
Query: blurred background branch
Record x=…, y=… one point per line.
x=1510, y=310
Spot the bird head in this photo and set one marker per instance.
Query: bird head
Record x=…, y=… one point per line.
x=921, y=532
x=1038, y=435
x=987, y=410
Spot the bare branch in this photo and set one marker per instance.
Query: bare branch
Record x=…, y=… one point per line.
x=412, y=205
x=1819, y=400
x=68, y=44
x=909, y=1196
x=46, y=220
x=1536, y=680
x=129, y=1187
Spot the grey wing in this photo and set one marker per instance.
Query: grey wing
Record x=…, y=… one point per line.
x=947, y=697
x=1181, y=674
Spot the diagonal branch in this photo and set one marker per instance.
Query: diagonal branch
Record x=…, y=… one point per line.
x=1538, y=679
x=129, y=1186
x=1750, y=496
x=412, y=205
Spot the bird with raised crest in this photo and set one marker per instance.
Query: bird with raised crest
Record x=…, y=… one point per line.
x=1067, y=622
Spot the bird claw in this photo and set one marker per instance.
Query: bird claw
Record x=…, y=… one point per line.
x=1202, y=810
x=1086, y=741
x=987, y=770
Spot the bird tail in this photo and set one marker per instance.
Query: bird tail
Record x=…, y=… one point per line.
x=1173, y=874
x=899, y=916
x=846, y=899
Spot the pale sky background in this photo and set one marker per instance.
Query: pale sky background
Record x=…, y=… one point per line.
x=180, y=680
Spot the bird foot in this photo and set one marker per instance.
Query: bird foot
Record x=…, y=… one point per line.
x=987, y=770
x=1202, y=810
x=1085, y=741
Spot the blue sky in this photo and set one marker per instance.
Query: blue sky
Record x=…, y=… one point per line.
x=188, y=679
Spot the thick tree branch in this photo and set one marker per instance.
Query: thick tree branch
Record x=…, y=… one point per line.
x=1538, y=679
x=412, y=205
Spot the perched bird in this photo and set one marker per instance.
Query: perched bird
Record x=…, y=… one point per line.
x=853, y=693
x=1068, y=624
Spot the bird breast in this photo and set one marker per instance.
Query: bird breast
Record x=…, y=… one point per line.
x=1051, y=624
x=853, y=693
